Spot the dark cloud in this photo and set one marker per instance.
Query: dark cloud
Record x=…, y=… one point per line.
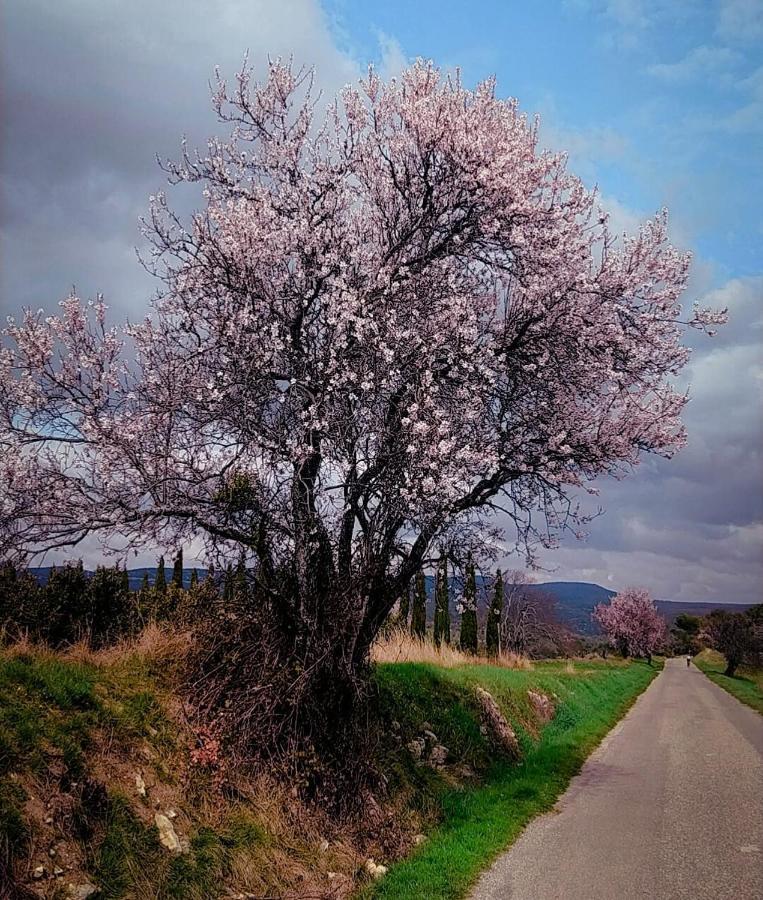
x=93, y=90
x=692, y=527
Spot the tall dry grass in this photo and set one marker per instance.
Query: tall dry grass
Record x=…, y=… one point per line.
x=398, y=646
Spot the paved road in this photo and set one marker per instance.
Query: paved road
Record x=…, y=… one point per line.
x=670, y=806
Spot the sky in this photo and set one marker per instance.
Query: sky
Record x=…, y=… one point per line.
x=658, y=102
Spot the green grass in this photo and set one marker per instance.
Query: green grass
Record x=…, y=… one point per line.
x=51, y=711
x=55, y=711
x=746, y=685
x=477, y=823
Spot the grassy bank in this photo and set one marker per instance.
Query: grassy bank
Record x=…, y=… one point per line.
x=480, y=820
x=746, y=685
x=94, y=745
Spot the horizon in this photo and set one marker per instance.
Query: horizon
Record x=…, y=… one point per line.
x=202, y=569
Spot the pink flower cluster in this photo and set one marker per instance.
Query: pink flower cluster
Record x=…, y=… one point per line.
x=387, y=324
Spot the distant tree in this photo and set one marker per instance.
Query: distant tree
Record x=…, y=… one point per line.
x=419, y=611
x=730, y=634
x=405, y=603
x=468, y=637
x=125, y=581
x=529, y=626
x=110, y=613
x=160, y=581
x=229, y=585
x=494, y=614
x=20, y=601
x=194, y=579
x=684, y=634
x=177, y=569
x=442, y=608
x=241, y=580
x=65, y=614
x=632, y=623
x=144, y=584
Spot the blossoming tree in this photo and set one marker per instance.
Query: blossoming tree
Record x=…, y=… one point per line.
x=389, y=321
x=632, y=623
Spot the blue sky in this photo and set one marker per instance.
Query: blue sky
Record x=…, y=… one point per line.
x=659, y=102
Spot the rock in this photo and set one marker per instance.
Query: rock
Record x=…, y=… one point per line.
x=82, y=891
x=58, y=872
x=416, y=747
x=419, y=839
x=395, y=725
x=140, y=785
x=495, y=722
x=331, y=875
x=426, y=727
x=38, y=873
x=438, y=755
x=167, y=835
x=542, y=706
x=375, y=870
x=324, y=845
x=430, y=736
x=52, y=852
x=171, y=814
x=48, y=820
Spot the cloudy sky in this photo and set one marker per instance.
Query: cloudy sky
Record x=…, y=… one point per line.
x=659, y=102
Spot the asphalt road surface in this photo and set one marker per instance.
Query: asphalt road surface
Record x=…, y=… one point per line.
x=670, y=806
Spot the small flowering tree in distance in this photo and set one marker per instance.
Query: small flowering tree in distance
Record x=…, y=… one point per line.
x=389, y=321
x=632, y=623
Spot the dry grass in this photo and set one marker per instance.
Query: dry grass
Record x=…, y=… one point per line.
x=398, y=647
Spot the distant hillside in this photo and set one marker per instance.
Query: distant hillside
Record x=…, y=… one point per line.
x=575, y=601
x=672, y=608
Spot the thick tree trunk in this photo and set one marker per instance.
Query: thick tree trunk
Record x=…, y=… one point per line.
x=731, y=667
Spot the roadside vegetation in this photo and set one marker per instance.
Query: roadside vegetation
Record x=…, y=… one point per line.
x=478, y=819
x=746, y=684
x=96, y=747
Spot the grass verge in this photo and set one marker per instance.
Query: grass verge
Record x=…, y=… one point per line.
x=93, y=745
x=746, y=685
x=480, y=821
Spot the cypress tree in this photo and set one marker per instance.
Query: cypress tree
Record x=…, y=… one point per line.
x=194, y=579
x=419, y=612
x=126, y=582
x=228, y=584
x=468, y=639
x=177, y=569
x=405, y=602
x=144, y=585
x=160, y=582
x=494, y=614
x=240, y=582
x=442, y=608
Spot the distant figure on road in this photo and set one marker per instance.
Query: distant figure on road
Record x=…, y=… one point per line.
x=688, y=661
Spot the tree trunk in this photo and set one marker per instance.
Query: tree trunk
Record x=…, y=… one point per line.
x=731, y=667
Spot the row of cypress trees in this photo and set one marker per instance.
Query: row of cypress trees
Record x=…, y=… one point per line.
x=413, y=605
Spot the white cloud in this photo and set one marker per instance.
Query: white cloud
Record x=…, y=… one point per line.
x=393, y=58
x=741, y=20
x=701, y=62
